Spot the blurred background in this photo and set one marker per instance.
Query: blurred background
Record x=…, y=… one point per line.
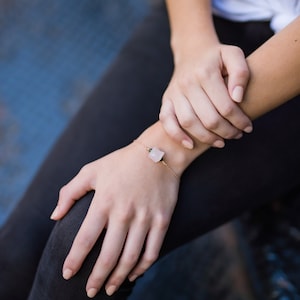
x=52, y=54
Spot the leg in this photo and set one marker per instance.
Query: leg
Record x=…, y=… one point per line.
x=146, y=83
x=212, y=192
x=219, y=186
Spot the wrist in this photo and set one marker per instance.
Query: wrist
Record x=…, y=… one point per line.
x=186, y=48
x=175, y=156
x=190, y=22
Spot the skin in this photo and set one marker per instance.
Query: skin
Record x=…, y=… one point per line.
x=143, y=215
x=198, y=102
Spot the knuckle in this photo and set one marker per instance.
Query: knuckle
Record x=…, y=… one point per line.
x=174, y=132
x=106, y=262
x=95, y=279
x=143, y=219
x=204, y=73
x=236, y=48
x=206, y=138
x=211, y=123
x=186, y=121
x=149, y=259
x=243, y=72
x=185, y=82
x=227, y=109
x=238, y=51
x=63, y=192
x=124, y=217
x=167, y=96
x=240, y=123
x=230, y=134
x=174, y=135
x=85, y=242
x=162, y=222
x=129, y=260
x=170, y=126
x=242, y=69
x=85, y=169
x=164, y=115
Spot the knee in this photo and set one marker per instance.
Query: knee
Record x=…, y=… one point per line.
x=65, y=230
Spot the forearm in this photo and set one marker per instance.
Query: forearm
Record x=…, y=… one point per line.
x=275, y=78
x=275, y=72
x=191, y=25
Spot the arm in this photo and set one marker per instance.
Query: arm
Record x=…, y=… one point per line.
x=189, y=20
x=197, y=103
x=275, y=72
x=127, y=204
x=275, y=78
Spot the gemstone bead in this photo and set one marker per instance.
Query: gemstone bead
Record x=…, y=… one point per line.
x=155, y=154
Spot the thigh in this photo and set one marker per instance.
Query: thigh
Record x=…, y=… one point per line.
x=218, y=186
x=49, y=283
x=222, y=184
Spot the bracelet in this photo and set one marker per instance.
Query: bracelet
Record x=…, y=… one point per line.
x=157, y=155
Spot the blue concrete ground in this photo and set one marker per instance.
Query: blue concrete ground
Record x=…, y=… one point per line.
x=51, y=55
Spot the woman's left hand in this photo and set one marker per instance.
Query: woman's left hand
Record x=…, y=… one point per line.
x=201, y=100
x=134, y=200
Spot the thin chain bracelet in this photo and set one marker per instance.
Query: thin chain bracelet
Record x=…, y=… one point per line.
x=157, y=155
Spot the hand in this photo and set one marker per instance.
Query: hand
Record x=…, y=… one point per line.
x=134, y=200
x=201, y=99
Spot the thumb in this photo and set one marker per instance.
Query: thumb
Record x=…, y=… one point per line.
x=237, y=93
x=237, y=72
x=72, y=192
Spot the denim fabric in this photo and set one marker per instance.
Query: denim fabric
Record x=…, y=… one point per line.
x=218, y=186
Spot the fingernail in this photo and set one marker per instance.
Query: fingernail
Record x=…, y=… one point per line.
x=54, y=214
x=238, y=136
x=187, y=144
x=110, y=290
x=237, y=94
x=219, y=144
x=91, y=293
x=248, y=129
x=67, y=274
x=132, y=278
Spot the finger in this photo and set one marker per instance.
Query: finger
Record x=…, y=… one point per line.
x=110, y=252
x=84, y=241
x=133, y=247
x=190, y=122
x=238, y=74
x=71, y=192
x=209, y=115
x=170, y=123
x=237, y=71
x=153, y=245
x=217, y=92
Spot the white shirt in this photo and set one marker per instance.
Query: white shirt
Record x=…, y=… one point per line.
x=279, y=12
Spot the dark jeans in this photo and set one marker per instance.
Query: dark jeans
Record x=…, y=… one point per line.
x=218, y=186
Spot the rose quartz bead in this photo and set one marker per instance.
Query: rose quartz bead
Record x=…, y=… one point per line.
x=156, y=155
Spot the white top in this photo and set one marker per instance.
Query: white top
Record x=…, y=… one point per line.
x=279, y=12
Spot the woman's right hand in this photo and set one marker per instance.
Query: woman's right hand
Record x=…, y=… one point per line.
x=201, y=100
x=133, y=202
